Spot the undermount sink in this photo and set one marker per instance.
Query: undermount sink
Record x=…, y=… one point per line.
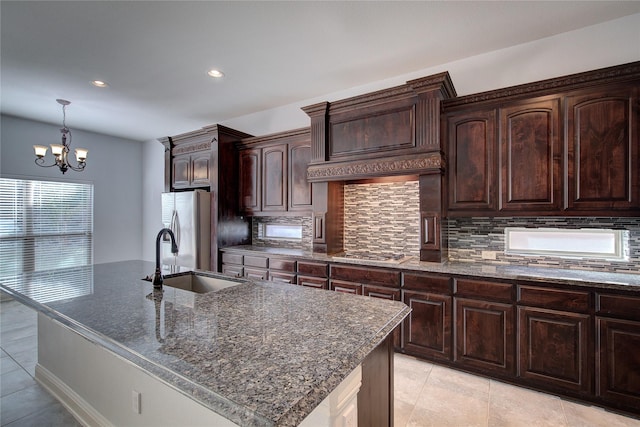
x=198, y=283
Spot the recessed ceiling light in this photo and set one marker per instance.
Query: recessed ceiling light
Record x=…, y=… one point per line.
x=99, y=83
x=215, y=73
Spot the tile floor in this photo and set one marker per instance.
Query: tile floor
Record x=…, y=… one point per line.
x=425, y=394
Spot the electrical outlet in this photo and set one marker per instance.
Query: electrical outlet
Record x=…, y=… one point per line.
x=489, y=255
x=136, y=401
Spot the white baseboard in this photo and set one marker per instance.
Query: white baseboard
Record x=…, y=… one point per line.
x=81, y=410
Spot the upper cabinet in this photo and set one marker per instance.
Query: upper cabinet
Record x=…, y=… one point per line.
x=602, y=149
x=273, y=174
x=566, y=146
x=472, y=147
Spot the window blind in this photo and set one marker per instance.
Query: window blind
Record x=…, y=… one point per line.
x=44, y=225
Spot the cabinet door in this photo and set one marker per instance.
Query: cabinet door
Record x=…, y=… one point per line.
x=299, y=187
x=472, y=142
x=485, y=336
x=602, y=131
x=250, y=181
x=200, y=169
x=181, y=177
x=618, y=366
x=274, y=178
x=530, y=156
x=427, y=330
x=553, y=348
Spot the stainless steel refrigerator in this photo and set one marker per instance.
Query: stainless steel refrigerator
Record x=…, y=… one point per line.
x=188, y=215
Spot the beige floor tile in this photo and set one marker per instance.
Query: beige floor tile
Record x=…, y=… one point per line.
x=451, y=398
x=579, y=415
x=465, y=385
x=401, y=412
x=515, y=406
x=410, y=376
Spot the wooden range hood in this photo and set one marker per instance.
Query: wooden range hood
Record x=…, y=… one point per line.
x=388, y=133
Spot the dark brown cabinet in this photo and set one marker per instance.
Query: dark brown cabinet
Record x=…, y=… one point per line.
x=299, y=196
x=282, y=270
x=472, y=160
x=484, y=319
x=273, y=174
x=554, y=348
x=602, y=130
x=618, y=350
x=191, y=170
x=485, y=336
x=274, y=178
x=313, y=274
x=555, y=344
x=250, y=181
x=530, y=156
x=428, y=330
x=565, y=146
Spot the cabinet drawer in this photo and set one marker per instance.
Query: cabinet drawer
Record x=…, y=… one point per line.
x=255, y=261
x=230, y=258
x=313, y=282
x=232, y=270
x=255, y=274
x=375, y=276
x=282, y=264
x=486, y=290
x=553, y=298
x=317, y=269
x=618, y=305
x=346, y=287
x=276, y=276
x=425, y=282
x=381, y=292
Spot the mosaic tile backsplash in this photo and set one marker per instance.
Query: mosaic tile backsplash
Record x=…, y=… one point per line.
x=382, y=218
x=304, y=244
x=469, y=237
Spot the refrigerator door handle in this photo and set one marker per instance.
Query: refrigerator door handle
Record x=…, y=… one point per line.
x=175, y=227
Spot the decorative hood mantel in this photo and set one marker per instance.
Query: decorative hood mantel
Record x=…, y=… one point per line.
x=390, y=132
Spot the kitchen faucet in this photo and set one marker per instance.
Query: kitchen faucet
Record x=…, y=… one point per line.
x=157, y=276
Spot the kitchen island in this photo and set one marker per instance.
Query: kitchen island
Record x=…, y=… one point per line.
x=255, y=354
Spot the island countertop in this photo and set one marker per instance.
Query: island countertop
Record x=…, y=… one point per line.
x=259, y=353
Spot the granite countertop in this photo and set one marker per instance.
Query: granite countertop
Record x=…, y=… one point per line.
x=259, y=353
x=559, y=276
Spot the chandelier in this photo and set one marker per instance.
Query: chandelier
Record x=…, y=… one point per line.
x=61, y=151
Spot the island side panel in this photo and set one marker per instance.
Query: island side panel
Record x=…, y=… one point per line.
x=96, y=386
x=375, y=399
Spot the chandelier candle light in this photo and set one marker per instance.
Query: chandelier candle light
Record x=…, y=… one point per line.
x=61, y=151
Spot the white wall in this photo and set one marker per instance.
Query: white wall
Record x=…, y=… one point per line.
x=603, y=45
x=114, y=166
x=153, y=186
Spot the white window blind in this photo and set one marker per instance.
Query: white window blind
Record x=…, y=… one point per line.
x=44, y=225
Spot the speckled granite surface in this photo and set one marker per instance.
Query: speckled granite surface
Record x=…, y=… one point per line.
x=260, y=354
x=530, y=274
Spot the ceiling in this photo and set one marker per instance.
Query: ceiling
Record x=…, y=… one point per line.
x=155, y=54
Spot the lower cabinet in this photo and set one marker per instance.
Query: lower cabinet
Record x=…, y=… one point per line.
x=618, y=350
x=485, y=336
x=428, y=329
x=553, y=348
x=427, y=332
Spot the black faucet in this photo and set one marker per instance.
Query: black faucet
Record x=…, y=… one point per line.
x=157, y=276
